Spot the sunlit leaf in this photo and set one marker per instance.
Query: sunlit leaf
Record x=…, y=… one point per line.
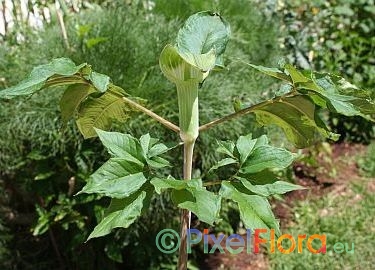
x=202, y=40
x=117, y=178
x=297, y=117
x=62, y=68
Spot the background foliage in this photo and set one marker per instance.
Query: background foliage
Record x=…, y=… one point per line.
x=42, y=163
x=334, y=36
x=46, y=163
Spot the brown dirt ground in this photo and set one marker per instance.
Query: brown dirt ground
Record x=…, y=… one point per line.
x=335, y=166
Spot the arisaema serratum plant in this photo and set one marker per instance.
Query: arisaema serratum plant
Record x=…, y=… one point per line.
x=132, y=175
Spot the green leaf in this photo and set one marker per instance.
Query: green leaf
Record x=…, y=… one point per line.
x=273, y=72
x=201, y=202
x=203, y=39
x=62, y=68
x=297, y=117
x=91, y=42
x=206, y=205
x=100, y=81
x=226, y=147
x=223, y=162
x=157, y=162
x=297, y=76
x=161, y=184
x=255, y=211
x=158, y=149
x=72, y=98
x=121, y=218
x=122, y=146
x=100, y=112
x=119, y=204
x=325, y=90
x=145, y=143
x=245, y=146
x=341, y=96
x=117, y=178
x=267, y=157
x=278, y=187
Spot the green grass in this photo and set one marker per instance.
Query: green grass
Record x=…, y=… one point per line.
x=346, y=217
x=367, y=162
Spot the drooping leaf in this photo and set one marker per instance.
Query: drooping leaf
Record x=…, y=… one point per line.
x=327, y=90
x=203, y=39
x=343, y=97
x=255, y=211
x=72, y=98
x=63, y=69
x=278, y=187
x=274, y=72
x=296, y=75
x=117, y=178
x=121, y=218
x=100, y=112
x=297, y=117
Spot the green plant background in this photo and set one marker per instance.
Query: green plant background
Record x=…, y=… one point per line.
x=42, y=156
x=39, y=156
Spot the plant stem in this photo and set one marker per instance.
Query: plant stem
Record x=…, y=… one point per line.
x=185, y=214
x=187, y=93
x=245, y=111
x=158, y=118
x=234, y=115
